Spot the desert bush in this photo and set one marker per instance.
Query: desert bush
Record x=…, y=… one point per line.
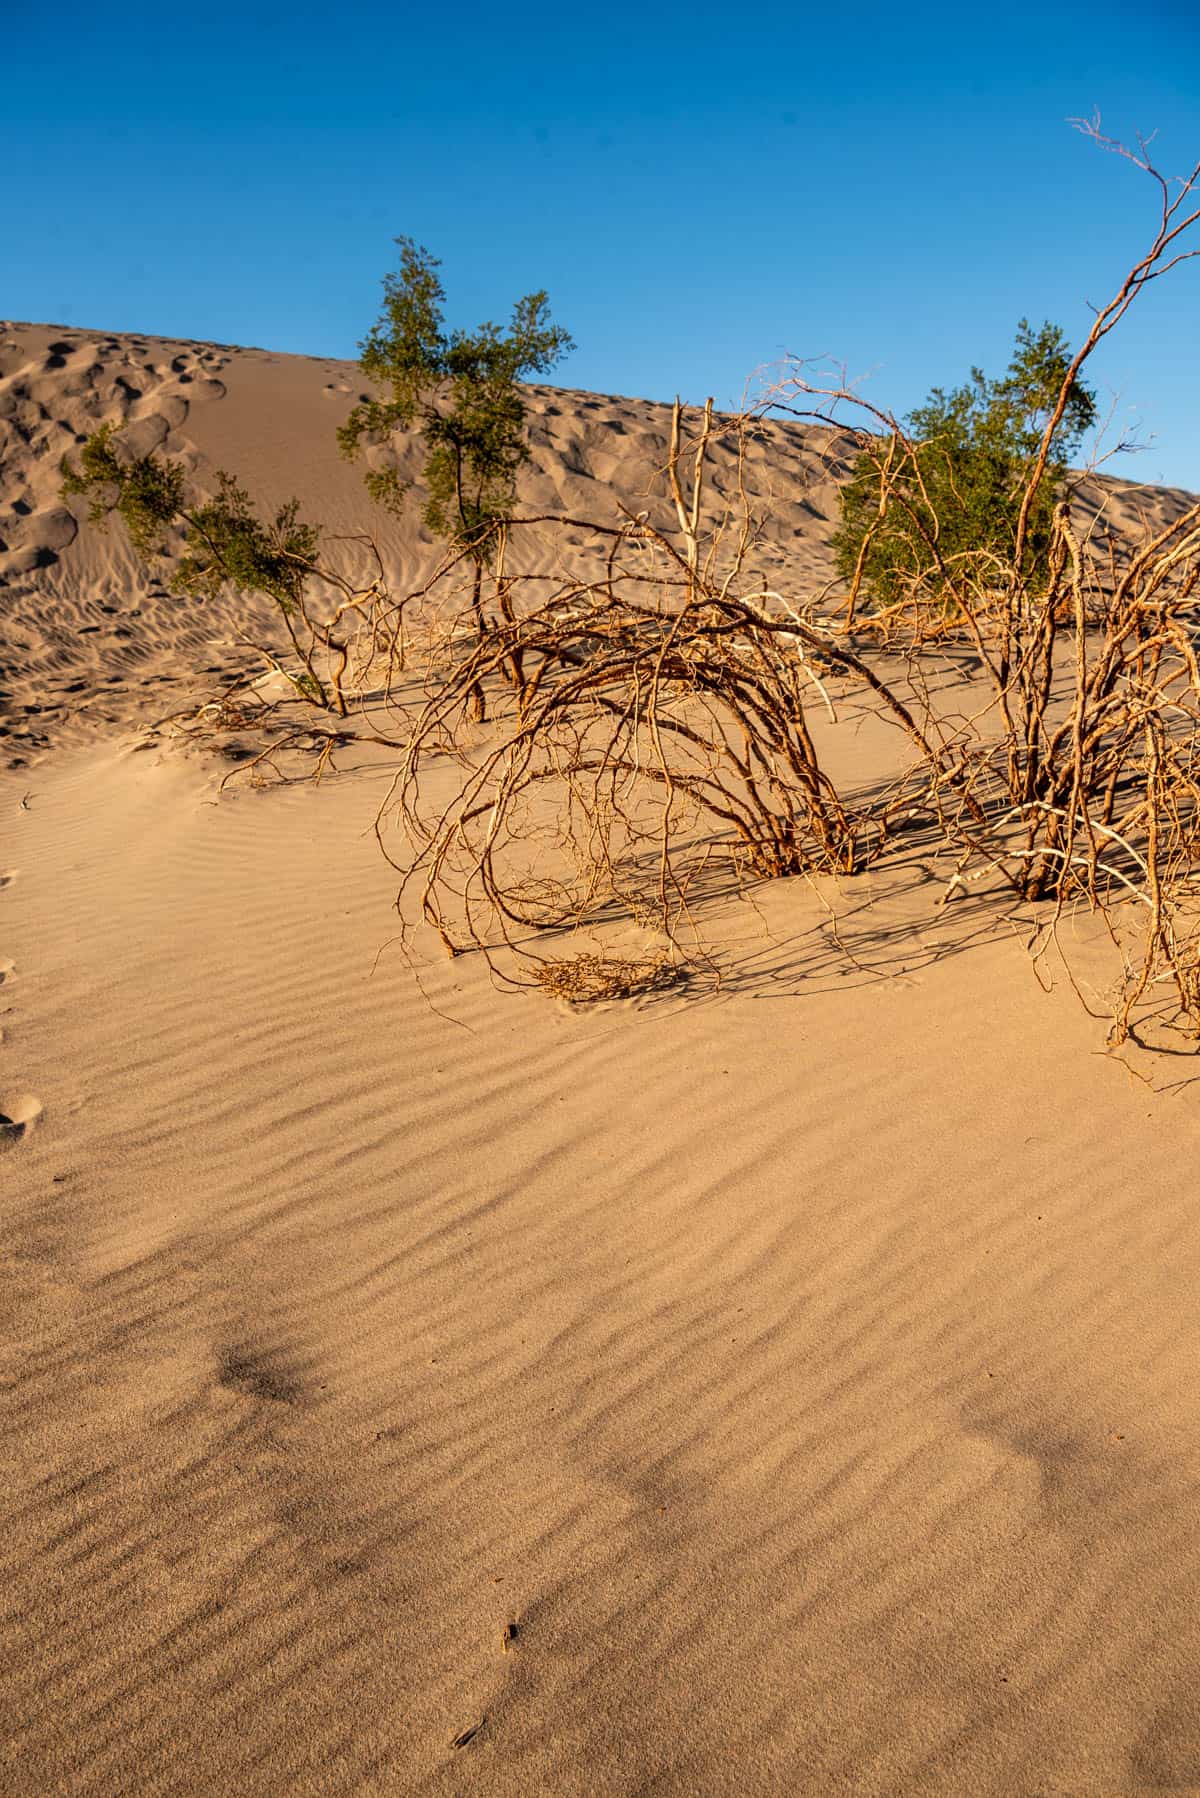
x=226, y=542
x=661, y=714
x=653, y=720
x=943, y=498
x=462, y=391
x=1077, y=779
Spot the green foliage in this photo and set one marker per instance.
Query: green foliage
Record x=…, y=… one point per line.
x=224, y=538
x=226, y=541
x=145, y=492
x=461, y=389
x=961, y=488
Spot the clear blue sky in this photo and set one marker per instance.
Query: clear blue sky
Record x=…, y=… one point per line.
x=700, y=187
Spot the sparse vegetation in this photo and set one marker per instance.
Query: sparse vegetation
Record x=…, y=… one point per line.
x=461, y=390
x=222, y=539
x=145, y=492
x=660, y=716
x=660, y=726
x=944, y=496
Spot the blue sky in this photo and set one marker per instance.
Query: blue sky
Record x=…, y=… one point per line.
x=700, y=188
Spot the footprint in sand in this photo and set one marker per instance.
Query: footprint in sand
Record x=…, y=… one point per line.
x=171, y=408
x=257, y=1373
x=36, y=539
x=18, y=1115
x=144, y=435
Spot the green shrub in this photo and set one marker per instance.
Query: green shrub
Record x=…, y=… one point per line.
x=461, y=389
x=941, y=500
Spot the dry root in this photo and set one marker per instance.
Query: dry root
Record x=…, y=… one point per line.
x=588, y=979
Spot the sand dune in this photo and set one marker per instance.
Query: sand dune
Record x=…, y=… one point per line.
x=90, y=638
x=88, y=630
x=787, y=1389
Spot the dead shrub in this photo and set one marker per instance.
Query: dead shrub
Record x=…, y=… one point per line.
x=1076, y=776
x=647, y=719
x=589, y=979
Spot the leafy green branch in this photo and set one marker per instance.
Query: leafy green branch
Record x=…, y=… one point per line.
x=461, y=390
x=955, y=485
x=225, y=542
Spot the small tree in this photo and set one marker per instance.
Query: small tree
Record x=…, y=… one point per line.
x=948, y=491
x=461, y=389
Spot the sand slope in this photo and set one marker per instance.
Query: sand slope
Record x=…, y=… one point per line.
x=89, y=639
x=807, y=1370
x=808, y=1374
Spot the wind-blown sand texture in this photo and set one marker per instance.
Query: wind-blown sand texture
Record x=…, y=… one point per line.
x=801, y=1378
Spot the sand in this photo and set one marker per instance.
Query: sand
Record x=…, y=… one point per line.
x=802, y=1376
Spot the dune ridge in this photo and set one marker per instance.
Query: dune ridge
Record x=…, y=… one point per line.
x=93, y=638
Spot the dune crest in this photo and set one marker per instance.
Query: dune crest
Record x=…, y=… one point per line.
x=91, y=638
